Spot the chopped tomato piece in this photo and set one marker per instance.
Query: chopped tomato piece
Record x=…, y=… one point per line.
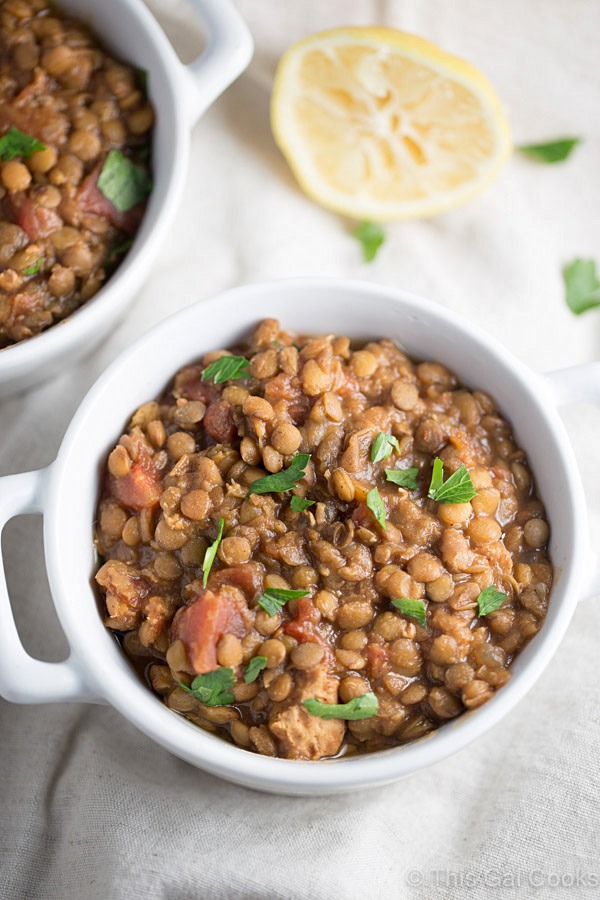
x=141, y=487
x=378, y=663
x=91, y=201
x=248, y=577
x=37, y=221
x=202, y=625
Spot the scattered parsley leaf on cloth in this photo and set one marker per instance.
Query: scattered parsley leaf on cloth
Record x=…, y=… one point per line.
x=551, y=151
x=371, y=236
x=582, y=285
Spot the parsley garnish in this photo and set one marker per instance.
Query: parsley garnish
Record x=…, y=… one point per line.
x=413, y=608
x=118, y=250
x=299, y=504
x=17, y=143
x=582, y=285
x=122, y=182
x=490, y=599
x=226, y=368
x=406, y=478
x=371, y=236
x=552, y=151
x=284, y=480
x=34, y=268
x=382, y=446
x=273, y=599
x=254, y=668
x=375, y=504
x=214, y=688
x=364, y=707
x=457, y=489
x=211, y=552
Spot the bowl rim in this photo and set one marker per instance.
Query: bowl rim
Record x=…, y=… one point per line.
x=127, y=278
x=217, y=756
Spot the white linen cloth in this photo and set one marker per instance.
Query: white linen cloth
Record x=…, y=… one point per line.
x=89, y=807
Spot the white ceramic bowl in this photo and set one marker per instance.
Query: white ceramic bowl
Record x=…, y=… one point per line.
x=67, y=492
x=180, y=94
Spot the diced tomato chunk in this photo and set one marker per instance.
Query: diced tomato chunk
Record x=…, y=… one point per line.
x=248, y=577
x=202, y=625
x=37, y=221
x=91, y=201
x=142, y=486
x=378, y=663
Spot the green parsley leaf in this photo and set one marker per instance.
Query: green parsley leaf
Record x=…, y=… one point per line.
x=34, y=268
x=406, y=478
x=122, y=182
x=284, y=480
x=214, y=688
x=457, y=489
x=382, y=446
x=582, y=285
x=413, y=608
x=490, y=599
x=254, y=668
x=552, y=151
x=211, y=552
x=371, y=237
x=142, y=79
x=274, y=598
x=375, y=504
x=226, y=368
x=299, y=504
x=17, y=143
x=364, y=707
x=118, y=250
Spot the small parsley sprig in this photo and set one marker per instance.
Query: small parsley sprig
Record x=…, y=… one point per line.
x=458, y=488
x=254, y=668
x=382, y=446
x=406, y=478
x=17, y=143
x=415, y=609
x=490, y=599
x=363, y=707
x=375, y=504
x=299, y=504
x=122, y=182
x=211, y=553
x=213, y=689
x=273, y=599
x=284, y=480
x=226, y=368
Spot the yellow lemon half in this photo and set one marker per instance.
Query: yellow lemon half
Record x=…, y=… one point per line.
x=380, y=124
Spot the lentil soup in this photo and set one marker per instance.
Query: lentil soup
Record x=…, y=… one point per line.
x=75, y=130
x=314, y=549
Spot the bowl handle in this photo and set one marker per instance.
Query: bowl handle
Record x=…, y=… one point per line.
x=24, y=679
x=228, y=51
x=579, y=384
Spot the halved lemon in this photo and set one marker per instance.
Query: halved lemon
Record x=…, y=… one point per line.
x=380, y=124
